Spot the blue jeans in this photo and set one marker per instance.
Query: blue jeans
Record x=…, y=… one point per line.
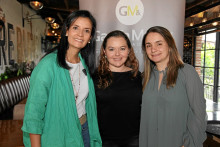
x=85, y=134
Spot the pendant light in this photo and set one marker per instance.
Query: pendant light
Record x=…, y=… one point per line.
x=36, y=5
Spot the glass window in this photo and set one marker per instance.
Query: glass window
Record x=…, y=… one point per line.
x=207, y=64
x=208, y=92
x=209, y=76
x=209, y=58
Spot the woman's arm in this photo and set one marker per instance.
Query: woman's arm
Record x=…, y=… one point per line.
x=196, y=123
x=35, y=140
x=40, y=83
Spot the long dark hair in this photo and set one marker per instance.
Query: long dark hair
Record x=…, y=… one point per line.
x=104, y=73
x=88, y=52
x=175, y=61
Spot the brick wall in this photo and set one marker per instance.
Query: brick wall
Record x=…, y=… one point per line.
x=199, y=43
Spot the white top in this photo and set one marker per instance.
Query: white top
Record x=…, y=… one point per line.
x=83, y=89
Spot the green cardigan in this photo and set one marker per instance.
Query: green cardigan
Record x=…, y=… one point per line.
x=51, y=110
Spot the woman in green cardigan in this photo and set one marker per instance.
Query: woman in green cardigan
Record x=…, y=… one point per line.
x=61, y=107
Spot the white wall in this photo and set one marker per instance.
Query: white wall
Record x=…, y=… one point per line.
x=26, y=48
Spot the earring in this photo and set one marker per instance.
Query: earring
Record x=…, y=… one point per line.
x=105, y=59
x=89, y=42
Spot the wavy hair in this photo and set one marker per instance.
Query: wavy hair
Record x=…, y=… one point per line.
x=175, y=61
x=104, y=73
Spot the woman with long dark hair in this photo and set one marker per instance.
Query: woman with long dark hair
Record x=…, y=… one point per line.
x=61, y=106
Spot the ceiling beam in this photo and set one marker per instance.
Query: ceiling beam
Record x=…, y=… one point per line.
x=47, y=1
x=202, y=24
x=201, y=9
x=195, y=4
x=61, y=9
x=60, y=17
x=66, y=2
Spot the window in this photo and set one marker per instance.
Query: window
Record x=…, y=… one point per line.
x=207, y=64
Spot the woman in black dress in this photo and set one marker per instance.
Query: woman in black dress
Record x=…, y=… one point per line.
x=118, y=89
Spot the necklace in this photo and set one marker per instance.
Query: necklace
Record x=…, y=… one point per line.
x=74, y=86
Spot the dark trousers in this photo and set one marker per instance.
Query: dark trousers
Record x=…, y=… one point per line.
x=130, y=142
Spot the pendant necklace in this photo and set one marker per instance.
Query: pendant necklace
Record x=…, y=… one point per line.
x=74, y=86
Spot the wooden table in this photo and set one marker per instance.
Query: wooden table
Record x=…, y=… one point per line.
x=11, y=134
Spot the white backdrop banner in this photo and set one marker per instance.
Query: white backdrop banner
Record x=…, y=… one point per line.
x=134, y=17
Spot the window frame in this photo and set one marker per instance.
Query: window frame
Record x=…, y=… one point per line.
x=216, y=84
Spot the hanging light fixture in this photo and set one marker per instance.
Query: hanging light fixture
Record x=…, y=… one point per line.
x=204, y=16
x=191, y=21
x=215, y=23
x=49, y=19
x=215, y=16
x=55, y=25
x=36, y=5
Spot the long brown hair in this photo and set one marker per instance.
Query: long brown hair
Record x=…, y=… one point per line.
x=175, y=61
x=104, y=73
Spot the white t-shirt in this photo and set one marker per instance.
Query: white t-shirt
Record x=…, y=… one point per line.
x=83, y=89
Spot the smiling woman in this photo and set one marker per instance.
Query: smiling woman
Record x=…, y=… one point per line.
x=118, y=92
x=62, y=91
x=79, y=34
x=117, y=53
x=157, y=50
x=173, y=112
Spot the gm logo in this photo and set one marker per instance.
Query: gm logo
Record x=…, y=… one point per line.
x=129, y=12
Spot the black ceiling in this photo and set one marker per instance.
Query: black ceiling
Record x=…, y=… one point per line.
x=195, y=6
x=58, y=9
